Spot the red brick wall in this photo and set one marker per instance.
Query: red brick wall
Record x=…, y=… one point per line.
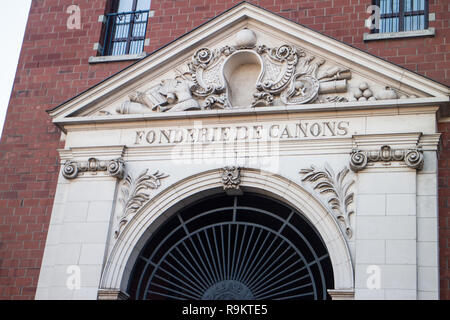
x=444, y=210
x=341, y=19
x=53, y=67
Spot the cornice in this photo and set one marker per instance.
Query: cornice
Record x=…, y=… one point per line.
x=84, y=153
x=349, y=107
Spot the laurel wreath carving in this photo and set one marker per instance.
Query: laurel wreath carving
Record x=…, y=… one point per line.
x=135, y=193
x=327, y=182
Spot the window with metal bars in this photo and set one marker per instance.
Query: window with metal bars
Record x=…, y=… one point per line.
x=125, y=27
x=247, y=247
x=402, y=15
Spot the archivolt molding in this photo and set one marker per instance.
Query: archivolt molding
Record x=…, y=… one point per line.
x=134, y=234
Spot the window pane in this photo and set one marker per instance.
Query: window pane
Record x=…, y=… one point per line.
x=125, y=6
x=395, y=25
x=422, y=22
x=414, y=5
x=412, y=13
x=389, y=25
x=136, y=46
x=408, y=24
x=122, y=26
x=413, y=20
x=143, y=5
x=140, y=22
x=383, y=6
x=119, y=48
x=421, y=4
x=395, y=6
x=407, y=5
x=389, y=6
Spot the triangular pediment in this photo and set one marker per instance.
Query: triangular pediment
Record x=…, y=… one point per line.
x=249, y=59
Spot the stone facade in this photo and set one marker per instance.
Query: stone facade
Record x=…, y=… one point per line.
x=390, y=220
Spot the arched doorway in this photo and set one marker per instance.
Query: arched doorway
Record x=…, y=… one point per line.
x=233, y=247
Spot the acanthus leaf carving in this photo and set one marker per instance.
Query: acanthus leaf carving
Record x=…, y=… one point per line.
x=262, y=97
x=135, y=194
x=325, y=181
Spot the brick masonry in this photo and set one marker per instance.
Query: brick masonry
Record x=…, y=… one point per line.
x=53, y=67
x=444, y=210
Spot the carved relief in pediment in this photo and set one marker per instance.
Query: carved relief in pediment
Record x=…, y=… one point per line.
x=247, y=75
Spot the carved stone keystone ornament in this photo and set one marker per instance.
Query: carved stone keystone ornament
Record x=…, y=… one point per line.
x=231, y=180
x=115, y=168
x=413, y=158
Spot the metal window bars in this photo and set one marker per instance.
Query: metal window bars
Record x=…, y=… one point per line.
x=402, y=15
x=232, y=249
x=125, y=33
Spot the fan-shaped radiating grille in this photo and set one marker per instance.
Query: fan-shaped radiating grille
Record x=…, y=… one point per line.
x=233, y=248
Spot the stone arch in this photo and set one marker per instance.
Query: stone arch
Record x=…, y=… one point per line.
x=127, y=247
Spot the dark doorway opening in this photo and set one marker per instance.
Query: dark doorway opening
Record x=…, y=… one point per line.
x=248, y=247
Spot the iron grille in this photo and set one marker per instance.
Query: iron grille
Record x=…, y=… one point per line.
x=125, y=33
x=402, y=15
x=233, y=248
